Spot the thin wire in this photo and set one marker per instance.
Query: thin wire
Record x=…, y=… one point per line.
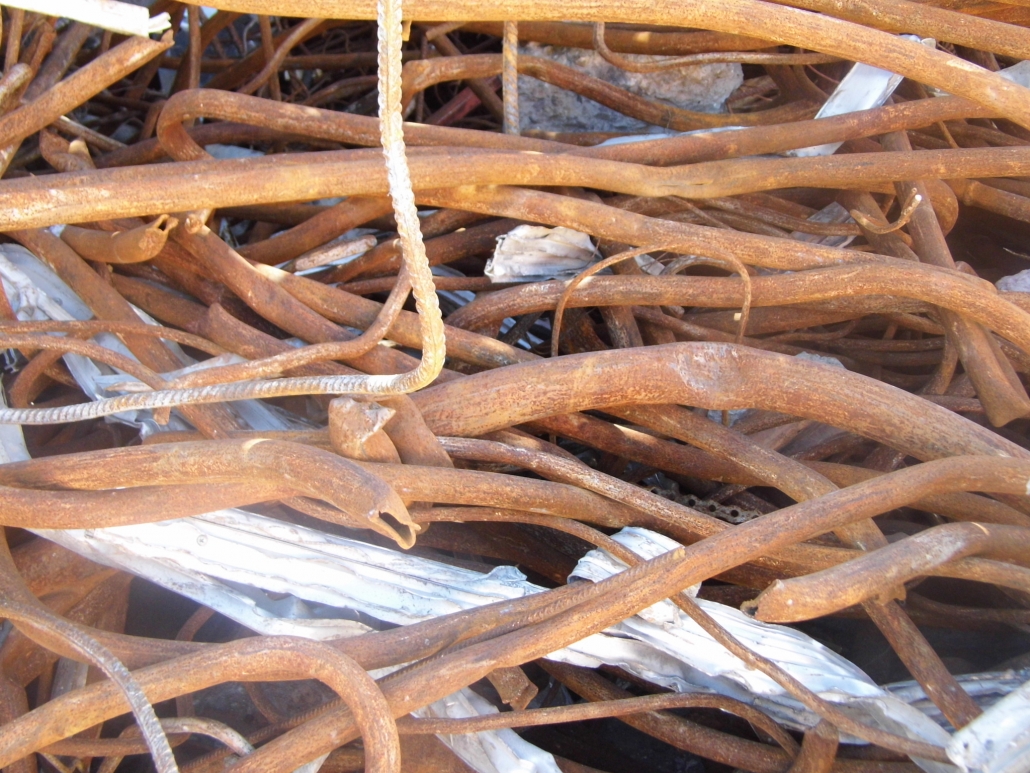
x=714, y=57
x=907, y=211
x=42, y=626
x=736, y=265
x=559, y=309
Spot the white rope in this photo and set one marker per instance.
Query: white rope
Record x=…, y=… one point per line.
x=413, y=252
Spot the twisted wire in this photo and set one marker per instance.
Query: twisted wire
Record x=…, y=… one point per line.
x=510, y=77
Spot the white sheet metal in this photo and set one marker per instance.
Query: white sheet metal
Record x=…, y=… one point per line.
x=998, y=741
x=37, y=293
x=862, y=88
x=126, y=18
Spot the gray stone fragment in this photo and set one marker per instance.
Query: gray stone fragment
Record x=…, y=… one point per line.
x=703, y=88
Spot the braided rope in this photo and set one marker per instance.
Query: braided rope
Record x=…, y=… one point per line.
x=413, y=251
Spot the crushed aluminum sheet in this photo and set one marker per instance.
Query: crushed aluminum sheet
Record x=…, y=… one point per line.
x=530, y=253
x=235, y=549
x=986, y=688
x=862, y=88
x=501, y=750
x=998, y=741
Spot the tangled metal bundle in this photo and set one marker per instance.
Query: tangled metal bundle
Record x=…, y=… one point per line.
x=740, y=391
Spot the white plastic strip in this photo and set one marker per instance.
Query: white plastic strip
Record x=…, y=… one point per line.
x=107, y=14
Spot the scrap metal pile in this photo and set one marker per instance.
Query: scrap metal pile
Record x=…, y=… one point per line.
x=516, y=386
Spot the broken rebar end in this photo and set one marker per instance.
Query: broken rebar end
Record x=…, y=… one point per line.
x=193, y=223
x=771, y=605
